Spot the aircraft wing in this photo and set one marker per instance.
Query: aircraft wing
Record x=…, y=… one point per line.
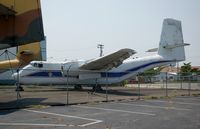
x=20, y=22
x=109, y=61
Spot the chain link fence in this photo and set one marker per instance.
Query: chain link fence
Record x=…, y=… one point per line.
x=140, y=86
x=168, y=84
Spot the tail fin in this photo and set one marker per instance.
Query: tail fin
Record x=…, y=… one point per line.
x=171, y=45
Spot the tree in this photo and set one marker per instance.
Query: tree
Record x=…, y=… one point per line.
x=195, y=71
x=186, y=69
x=151, y=72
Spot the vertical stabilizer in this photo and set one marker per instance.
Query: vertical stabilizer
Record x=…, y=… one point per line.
x=171, y=45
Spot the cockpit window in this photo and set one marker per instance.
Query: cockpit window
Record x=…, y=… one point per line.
x=38, y=65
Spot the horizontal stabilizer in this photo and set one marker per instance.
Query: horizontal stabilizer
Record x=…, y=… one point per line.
x=168, y=47
x=175, y=45
x=152, y=50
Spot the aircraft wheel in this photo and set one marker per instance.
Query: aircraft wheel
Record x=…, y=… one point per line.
x=19, y=88
x=78, y=87
x=97, y=88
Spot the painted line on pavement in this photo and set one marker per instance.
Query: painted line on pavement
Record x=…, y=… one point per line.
x=33, y=124
x=95, y=121
x=174, y=102
x=193, y=99
x=116, y=110
x=160, y=107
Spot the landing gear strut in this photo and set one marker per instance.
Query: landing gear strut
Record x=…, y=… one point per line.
x=97, y=88
x=19, y=87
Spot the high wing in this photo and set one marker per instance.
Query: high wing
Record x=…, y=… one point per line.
x=109, y=61
x=20, y=22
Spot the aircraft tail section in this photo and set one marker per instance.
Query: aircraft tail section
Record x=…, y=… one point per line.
x=171, y=45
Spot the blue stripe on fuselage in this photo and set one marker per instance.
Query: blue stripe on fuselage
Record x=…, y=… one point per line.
x=39, y=74
x=120, y=74
x=56, y=74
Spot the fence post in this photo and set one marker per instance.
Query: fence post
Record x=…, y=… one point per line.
x=68, y=84
x=106, y=86
x=138, y=78
x=18, y=86
x=189, y=85
x=181, y=79
x=166, y=88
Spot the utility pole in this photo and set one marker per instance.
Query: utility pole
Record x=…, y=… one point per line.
x=100, y=46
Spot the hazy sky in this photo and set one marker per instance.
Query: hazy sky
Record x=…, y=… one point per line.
x=75, y=27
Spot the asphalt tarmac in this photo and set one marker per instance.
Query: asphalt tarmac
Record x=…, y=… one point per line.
x=126, y=108
x=171, y=113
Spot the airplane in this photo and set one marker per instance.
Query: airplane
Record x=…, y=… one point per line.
x=109, y=69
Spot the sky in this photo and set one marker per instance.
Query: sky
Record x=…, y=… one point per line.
x=75, y=27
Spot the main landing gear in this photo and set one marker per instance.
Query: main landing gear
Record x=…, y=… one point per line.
x=78, y=87
x=97, y=88
x=18, y=87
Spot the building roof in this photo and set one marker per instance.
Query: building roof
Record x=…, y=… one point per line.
x=170, y=69
x=196, y=67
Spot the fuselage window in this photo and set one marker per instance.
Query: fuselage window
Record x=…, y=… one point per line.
x=39, y=65
x=35, y=64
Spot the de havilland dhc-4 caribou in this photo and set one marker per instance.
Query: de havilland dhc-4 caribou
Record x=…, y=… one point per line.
x=109, y=69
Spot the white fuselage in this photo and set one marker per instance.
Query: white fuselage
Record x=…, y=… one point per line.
x=69, y=73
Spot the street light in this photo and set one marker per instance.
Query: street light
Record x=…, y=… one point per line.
x=100, y=46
